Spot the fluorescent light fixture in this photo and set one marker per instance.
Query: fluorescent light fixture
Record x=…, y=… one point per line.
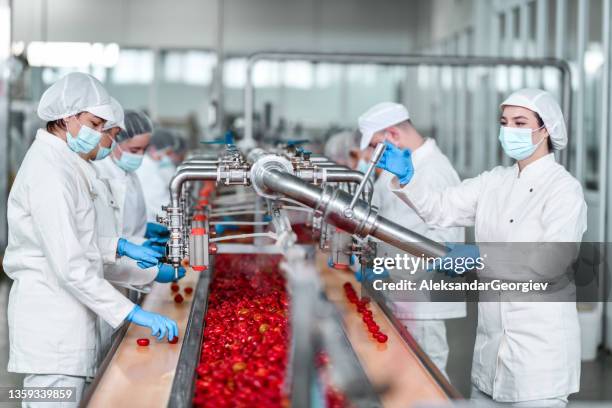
x=72, y=54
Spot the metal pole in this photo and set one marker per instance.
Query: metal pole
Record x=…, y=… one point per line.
x=583, y=26
x=390, y=59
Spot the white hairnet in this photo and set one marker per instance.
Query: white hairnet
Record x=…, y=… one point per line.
x=162, y=139
x=74, y=93
x=119, y=115
x=545, y=105
x=338, y=146
x=379, y=117
x=136, y=123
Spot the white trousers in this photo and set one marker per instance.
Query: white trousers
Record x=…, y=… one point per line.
x=480, y=399
x=54, y=380
x=430, y=334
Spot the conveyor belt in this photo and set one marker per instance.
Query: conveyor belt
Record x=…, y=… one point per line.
x=142, y=376
x=155, y=376
x=398, y=366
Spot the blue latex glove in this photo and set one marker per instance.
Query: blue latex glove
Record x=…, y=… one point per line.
x=397, y=161
x=145, y=257
x=160, y=325
x=370, y=275
x=157, y=244
x=165, y=273
x=457, y=251
x=156, y=230
x=220, y=229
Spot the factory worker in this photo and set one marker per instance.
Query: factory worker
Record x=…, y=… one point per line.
x=53, y=255
x=119, y=171
x=342, y=148
x=122, y=272
x=526, y=353
x=175, y=156
x=151, y=173
x=423, y=319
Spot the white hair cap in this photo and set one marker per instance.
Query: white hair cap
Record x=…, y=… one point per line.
x=119, y=115
x=545, y=105
x=74, y=93
x=379, y=117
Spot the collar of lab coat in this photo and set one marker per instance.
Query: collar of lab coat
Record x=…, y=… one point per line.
x=423, y=152
x=534, y=170
x=53, y=141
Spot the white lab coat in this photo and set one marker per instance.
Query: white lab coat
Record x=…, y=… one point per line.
x=55, y=263
x=127, y=192
x=121, y=272
x=432, y=168
x=524, y=350
x=154, y=187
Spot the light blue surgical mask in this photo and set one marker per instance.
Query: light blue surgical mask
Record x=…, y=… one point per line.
x=165, y=162
x=362, y=166
x=85, y=141
x=103, y=152
x=129, y=161
x=517, y=142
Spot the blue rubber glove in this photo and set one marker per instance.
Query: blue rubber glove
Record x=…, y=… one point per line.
x=370, y=275
x=145, y=257
x=220, y=229
x=165, y=273
x=457, y=257
x=157, y=244
x=156, y=230
x=397, y=161
x=160, y=325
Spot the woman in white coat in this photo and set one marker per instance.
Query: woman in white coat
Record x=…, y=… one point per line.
x=119, y=171
x=526, y=353
x=53, y=255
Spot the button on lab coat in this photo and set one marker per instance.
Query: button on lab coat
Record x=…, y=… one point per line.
x=433, y=169
x=55, y=263
x=127, y=193
x=524, y=350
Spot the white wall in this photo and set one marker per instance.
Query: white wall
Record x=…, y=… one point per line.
x=249, y=25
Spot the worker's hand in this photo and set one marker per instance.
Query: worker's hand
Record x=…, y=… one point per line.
x=157, y=244
x=370, y=275
x=160, y=326
x=156, y=230
x=145, y=257
x=165, y=273
x=460, y=259
x=397, y=161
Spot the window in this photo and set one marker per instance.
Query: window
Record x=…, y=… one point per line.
x=134, y=67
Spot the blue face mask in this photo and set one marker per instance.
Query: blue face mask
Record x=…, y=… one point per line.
x=129, y=161
x=517, y=142
x=362, y=166
x=165, y=162
x=85, y=141
x=103, y=152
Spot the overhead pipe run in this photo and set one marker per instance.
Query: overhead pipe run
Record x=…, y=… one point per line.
x=562, y=66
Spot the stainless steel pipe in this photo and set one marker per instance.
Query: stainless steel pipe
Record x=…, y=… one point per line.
x=332, y=203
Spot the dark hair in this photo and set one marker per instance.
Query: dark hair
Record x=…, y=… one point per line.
x=56, y=125
x=540, y=124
